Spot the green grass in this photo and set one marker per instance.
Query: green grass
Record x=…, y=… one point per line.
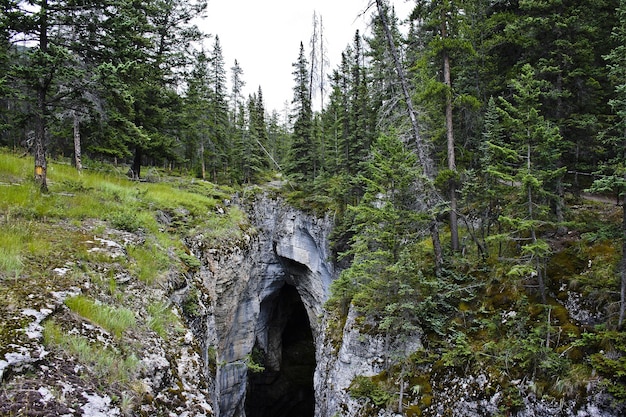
x=108, y=366
x=149, y=262
x=13, y=242
x=163, y=318
x=114, y=320
x=111, y=196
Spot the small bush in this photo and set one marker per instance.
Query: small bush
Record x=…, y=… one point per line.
x=125, y=220
x=364, y=387
x=191, y=303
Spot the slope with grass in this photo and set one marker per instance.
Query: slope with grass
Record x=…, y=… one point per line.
x=85, y=273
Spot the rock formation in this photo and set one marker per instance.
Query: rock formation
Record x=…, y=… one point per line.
x=246, y=306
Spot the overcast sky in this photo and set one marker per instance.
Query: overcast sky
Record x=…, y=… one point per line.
x=264, y=36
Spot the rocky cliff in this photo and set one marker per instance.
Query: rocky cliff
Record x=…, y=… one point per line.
x=248, y=306
x=250, y=336
x=250, y=315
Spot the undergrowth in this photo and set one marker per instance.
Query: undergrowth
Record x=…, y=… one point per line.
x=57, y=241
x=476, y=319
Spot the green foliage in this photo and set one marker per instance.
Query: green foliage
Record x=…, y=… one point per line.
x=125, y=220
x=191, y=303
x=113, y=319
x=610, y=360
x=367, y=388
x=254, y=361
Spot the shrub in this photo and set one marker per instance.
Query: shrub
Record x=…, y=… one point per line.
x=364, y=387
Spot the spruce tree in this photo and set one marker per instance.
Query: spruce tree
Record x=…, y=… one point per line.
x=382, y=281
x=218, y=110
x=301, y=163
x=613, y=173
x=532, y=152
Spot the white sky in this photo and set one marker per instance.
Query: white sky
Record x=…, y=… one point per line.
x=264, y=37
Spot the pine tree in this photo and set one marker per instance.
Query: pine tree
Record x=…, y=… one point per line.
x=301, y=163
x=381, y=280
x=254, y=156
x=532, y=155
x=197, y=112
x=218, y=110
x=423, y=153
x=614, y=172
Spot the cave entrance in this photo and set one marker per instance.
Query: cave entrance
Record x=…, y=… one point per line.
x=285, y=387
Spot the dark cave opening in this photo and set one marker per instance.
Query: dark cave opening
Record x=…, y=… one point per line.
x=285, y=387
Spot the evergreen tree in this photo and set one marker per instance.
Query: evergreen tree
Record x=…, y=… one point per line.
x=301, y=163
x=360, y=131
x=218, y=140
x=564, y=42
x=197, y=113
x=336, y=117
x=441, y=24
x=614, y=171
x=278, y=140
x=253, y=156
x=382, y=281
x=423, y=153
x=237, y=83
x=44, y=65
x=532, y=165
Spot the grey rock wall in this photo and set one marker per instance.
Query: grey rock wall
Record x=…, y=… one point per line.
x=240, y=283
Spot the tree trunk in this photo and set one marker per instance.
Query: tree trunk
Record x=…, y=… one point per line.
x=622, y=302
x=533, y=234
x=136, y=170
x=77, y=148
x=422, y=151
x=202, y=163
x=41, y=166
x=454, y=221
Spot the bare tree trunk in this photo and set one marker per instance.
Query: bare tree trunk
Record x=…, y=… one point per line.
x=77, y=147
x=202, y=163
x=454, y=221
x=422, y=151
x=41, y=166
x=322, y=75
x=136, y=171
x=313, y=72
x=622, y=303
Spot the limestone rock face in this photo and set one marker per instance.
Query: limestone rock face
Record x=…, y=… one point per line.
x=241, y=284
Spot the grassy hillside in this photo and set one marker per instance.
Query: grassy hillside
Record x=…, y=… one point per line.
x=87, y=268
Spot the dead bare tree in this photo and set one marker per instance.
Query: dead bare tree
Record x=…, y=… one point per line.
x=423, y=154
